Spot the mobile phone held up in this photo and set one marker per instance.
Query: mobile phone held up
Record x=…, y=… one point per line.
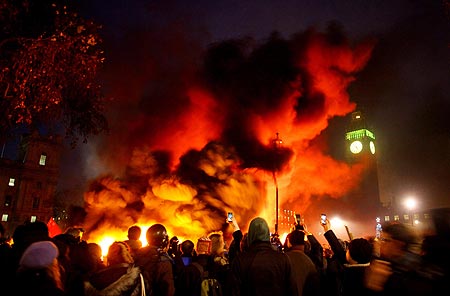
x=230, y=217
x=323, y=219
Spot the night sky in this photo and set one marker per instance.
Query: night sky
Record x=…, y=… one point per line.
x=403, y=88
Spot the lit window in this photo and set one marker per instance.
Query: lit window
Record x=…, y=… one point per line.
x=33, y=219
x=5, y=218
x=42, y=159
x=387, y=218
x=11, y=181
x=405, y=217
x=396, y=218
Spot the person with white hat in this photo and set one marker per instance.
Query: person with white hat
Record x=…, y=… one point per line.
x=39, y=271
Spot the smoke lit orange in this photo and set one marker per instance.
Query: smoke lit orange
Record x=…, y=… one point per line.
x=204, y=150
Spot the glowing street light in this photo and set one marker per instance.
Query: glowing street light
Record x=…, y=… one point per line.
x=411, y=204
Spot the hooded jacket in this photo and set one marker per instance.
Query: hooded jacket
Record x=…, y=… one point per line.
x=262, y=270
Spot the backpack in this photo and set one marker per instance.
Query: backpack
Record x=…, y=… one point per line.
x=209, y=286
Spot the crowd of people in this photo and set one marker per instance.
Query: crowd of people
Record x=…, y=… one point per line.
x=253, y=263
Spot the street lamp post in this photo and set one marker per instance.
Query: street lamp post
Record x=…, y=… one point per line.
x=275, y=240
x=276, y=145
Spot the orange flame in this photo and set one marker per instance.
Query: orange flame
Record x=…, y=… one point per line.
x=187, y=169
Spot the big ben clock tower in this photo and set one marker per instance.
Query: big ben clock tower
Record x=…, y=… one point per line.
x=360, y=140
x=361, y=149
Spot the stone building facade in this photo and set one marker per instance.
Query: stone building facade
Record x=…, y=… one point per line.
x=28, y=183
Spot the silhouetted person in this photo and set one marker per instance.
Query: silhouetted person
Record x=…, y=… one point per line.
x=436, y=244
x=5, y=261
x=305, y=271
x=187, y=252
x=235, y=245
x=120, y=277
x=188, y=277
x=39, y=271
x=353, y=262
x=134, y=235
x=173, y=247
x=155, y=263
x=262, y=270
x=24, y=235
x=400, y=270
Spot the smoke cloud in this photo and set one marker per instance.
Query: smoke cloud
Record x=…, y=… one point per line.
x=194, y=131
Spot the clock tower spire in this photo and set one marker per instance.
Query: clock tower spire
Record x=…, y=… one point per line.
x=360, y=140
x=360, y=149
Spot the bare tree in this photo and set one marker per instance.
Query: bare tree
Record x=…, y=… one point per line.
x=49, y=61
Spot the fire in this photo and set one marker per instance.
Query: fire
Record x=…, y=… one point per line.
x=194, y=147
x=105, y=240
x=104, y=243
x=283, y=237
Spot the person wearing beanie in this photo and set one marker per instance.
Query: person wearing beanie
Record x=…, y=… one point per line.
x=39, y=271
x=262, y=270
x=38, y=255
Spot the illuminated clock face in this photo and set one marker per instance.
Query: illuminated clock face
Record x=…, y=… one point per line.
x=356, y=147
x=372, y=147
